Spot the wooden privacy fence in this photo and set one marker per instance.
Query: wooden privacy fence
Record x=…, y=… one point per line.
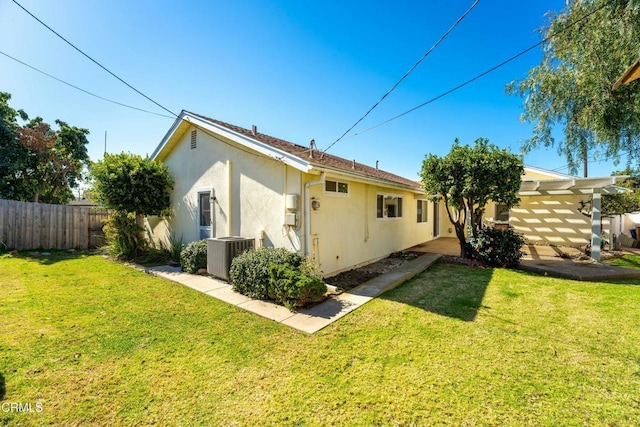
x=25, y=225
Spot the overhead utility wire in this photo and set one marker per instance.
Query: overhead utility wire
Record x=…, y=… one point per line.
x=94, y=61
x=83, y=90
x=405, y=75
x=490, y=70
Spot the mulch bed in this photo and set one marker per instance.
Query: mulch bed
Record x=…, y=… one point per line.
x=357, y=276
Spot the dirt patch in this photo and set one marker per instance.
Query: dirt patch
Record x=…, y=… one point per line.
x=357, y=276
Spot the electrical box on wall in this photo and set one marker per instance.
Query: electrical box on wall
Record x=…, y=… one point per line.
x=291, y=219
x=291, y=202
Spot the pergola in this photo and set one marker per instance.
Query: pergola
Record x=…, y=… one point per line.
x=578, y=186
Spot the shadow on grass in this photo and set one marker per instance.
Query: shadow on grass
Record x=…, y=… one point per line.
x=3, y=387
x=448, y=290
x=50, y=257
x=627, y=261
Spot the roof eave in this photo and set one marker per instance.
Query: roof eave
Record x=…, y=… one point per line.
x=230, y=135
x=357, y=177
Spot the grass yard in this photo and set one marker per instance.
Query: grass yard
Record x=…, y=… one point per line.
x=97, y=343
x=627, y=261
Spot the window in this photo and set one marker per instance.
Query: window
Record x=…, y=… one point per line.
x=422, y=211
x=388, y=206
x=336, y=187
x=204, y=208
x=194, y=139
x=502, y=213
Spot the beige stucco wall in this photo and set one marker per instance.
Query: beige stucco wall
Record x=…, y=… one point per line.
x=554, y=220
x=345, y=231
x=251, y=191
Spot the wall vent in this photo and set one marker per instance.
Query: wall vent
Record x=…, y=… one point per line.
x=194, y=139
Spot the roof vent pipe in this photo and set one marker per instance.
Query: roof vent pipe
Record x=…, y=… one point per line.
x=376, y=164
x=312, y=146
x=254, y=129
x=353, y=166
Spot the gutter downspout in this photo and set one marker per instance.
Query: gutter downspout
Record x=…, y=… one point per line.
x=307, y=207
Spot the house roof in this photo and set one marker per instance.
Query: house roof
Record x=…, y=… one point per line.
x=303, y=156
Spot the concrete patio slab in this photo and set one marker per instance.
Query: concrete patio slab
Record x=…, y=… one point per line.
x=583, y=271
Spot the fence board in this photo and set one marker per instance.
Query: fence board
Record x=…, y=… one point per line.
x=26, y=226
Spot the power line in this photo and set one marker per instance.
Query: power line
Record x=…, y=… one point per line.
x=83, y=90
x=446, y=33
x=93, y=60
x=490, y=70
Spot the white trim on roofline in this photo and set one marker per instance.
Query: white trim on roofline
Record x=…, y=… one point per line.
x=253, y=144
x=551, y=173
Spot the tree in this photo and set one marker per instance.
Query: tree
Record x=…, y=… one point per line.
x=618, y=204
x=39, y=164
x=467, y=178
x=589, y=46
x=132, y=186
x=131, y=183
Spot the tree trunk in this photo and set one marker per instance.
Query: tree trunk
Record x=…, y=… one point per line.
x=461, y=238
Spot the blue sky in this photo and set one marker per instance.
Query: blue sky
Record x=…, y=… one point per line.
x=297, y=70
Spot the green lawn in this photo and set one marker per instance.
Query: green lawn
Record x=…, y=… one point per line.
x=98, y=343
x=627, y=261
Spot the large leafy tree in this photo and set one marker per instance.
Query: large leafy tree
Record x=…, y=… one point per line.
x=131, y=183
x=38, y=163
x=588, y=46
x=468, y=178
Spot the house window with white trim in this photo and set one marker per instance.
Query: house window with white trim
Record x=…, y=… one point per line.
x=422, y=210
x=388, y=206
x=336, y=187
x=502, y=214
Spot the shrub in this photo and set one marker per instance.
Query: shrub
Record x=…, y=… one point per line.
x=194, y=256
x=294, y=287
x=173, y=249
x=123, y=236
x=500, y=248
x=249, y=273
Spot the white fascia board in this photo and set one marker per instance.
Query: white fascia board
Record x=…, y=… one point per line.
x=253, y=144
x=548, y=172
x=331, y=172
x=167, y=136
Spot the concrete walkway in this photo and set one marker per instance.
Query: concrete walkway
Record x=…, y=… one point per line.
x=307, y=320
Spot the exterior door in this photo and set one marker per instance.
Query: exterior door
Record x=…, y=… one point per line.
x=204, y=215
x=436, y=219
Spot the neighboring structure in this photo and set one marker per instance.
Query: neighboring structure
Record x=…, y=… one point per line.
x=231, y=181
x=552, y=209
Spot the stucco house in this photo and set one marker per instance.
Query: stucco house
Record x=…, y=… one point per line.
x=232, y=181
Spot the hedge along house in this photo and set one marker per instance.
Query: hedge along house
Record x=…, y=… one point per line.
x=231, y=181
x=559, y=209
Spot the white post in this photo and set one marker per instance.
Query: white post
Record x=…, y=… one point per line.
x=595, y=225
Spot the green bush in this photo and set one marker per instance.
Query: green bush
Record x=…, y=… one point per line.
x=500, y=248
x=173, y=249
x=123, y=236
x=294, y=287
x=194, y=256
x=249, y=273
